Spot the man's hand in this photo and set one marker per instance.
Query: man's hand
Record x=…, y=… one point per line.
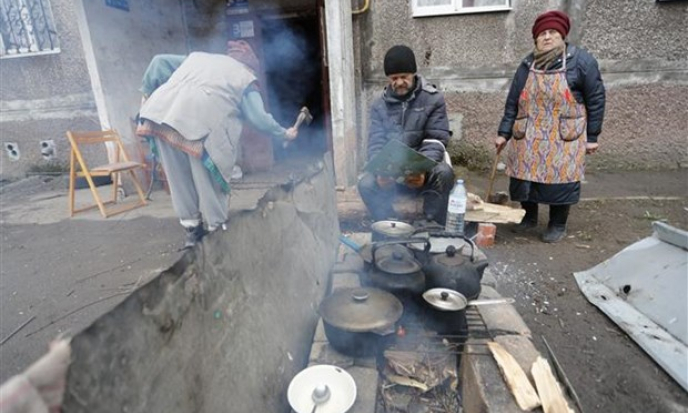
x=500, y=143
x=415, y=181
x=384, y=182
x=591, y=147
x=291, y=134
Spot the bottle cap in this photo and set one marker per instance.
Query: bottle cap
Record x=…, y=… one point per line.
x=459, y=181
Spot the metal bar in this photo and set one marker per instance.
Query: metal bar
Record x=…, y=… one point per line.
x=562, y=376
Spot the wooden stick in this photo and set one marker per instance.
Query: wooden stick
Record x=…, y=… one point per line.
x=524, y=393
x=492, y=177
x=553, y=400
x=18, y=329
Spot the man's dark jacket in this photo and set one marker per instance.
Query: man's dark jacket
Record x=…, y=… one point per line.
x=420, y=121
x=585, y=82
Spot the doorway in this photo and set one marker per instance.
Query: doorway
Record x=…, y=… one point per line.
x=294, y=77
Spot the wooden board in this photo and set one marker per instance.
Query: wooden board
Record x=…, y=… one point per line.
x=495, y=214
x=551, y=396
x=524, y=393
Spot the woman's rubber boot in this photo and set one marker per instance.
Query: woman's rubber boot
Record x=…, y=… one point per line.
x=556, y=228
x=193, y=236
x=529, y=221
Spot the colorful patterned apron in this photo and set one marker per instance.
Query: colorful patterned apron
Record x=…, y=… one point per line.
x=549, y=134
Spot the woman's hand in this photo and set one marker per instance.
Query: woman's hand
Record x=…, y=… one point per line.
x=500, y=143
x=291, y=134
x=591, y=147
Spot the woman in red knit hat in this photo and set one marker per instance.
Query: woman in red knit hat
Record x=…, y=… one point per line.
x=552, y=119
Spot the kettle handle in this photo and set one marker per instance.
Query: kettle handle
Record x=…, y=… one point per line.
x=445, y=234
x=378, y=244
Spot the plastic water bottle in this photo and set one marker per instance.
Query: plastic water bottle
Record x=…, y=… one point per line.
x=456, y=208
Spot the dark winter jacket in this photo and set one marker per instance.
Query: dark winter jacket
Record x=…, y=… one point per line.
x=420, y=121
x=585, y=82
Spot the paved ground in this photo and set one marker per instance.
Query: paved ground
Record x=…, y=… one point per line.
x=66, y=272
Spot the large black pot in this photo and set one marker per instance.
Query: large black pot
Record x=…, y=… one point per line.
x=360, y=321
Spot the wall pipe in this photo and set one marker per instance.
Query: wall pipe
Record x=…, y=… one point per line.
x=366, y=6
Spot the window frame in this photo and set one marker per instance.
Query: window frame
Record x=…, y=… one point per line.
x=48, y=29
x=454, y=8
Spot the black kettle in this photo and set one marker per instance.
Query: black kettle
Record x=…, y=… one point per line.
x=455, y=271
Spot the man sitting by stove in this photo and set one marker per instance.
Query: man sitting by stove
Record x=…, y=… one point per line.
x=414, y=112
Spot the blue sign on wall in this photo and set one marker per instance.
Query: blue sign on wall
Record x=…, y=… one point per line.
x=118, y=4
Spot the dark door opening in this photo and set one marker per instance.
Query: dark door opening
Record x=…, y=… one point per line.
x=292, y=55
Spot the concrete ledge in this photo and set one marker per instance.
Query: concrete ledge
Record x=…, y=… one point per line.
x=345, y=274
x=501, y=319
x=345, y=280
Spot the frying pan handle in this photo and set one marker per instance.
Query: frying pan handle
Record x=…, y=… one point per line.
x=490, y=301
x=378, y=244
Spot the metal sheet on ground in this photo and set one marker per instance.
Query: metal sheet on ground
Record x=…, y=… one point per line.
x=644, y=290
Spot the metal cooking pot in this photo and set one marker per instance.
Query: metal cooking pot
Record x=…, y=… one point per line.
x=356, y=320
x=447, y=311
x=391, y=230
x=444, y=299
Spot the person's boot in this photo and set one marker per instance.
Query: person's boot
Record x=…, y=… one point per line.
x=193, y=236
x=556, y=228
x=529, y=220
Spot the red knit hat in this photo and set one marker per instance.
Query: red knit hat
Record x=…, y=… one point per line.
x=553, y=19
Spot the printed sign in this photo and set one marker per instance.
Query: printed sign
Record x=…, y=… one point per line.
x=237, y=7
x=242, y=29
x=118, y=4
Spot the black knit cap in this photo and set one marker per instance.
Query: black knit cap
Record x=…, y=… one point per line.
x=400, y=59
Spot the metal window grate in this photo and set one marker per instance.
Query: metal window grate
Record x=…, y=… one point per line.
x=27, y=28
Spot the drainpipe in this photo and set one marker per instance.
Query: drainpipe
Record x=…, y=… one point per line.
x=366, y=6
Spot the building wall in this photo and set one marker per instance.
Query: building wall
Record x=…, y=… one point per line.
x=641, y=45
x=43, y=96
x=121, y=44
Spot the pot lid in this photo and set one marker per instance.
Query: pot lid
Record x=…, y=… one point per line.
x=439, y=244
x=393, y=228
x=308, y=384
x=397, y=263
x=361, y=310
x=445, y=299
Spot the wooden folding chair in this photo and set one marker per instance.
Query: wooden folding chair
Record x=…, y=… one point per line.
x=114, y=170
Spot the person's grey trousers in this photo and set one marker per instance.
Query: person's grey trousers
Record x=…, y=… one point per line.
x=194, y=191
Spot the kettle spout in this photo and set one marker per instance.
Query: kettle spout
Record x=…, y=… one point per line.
x=480, y=267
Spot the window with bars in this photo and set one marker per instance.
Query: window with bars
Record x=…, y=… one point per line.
x=442, y=7
x=27, y=28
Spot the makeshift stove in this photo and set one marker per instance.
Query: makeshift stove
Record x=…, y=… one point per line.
x=420, y=370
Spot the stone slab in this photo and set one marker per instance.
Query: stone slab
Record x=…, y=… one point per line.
x=366, y=389
x=324, y=353
x=482, y=386
x=503, y=318
x=345, y=280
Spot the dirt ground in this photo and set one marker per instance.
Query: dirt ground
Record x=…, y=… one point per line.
x=67, y=272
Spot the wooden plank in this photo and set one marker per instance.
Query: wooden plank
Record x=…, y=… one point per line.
x=551, y=396
x=524, y=393
x=496, y=214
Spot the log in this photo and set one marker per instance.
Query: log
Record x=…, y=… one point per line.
x=516, y=379
x=551, y=395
